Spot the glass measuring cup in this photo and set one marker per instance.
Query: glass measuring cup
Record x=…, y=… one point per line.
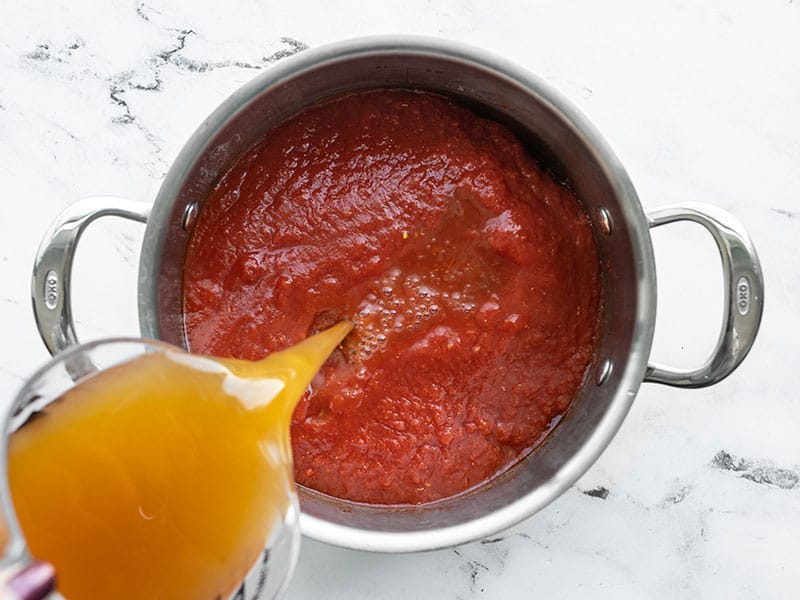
x=254, y=562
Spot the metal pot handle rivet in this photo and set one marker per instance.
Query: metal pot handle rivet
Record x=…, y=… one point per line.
x=743, y=300
x=52, y=268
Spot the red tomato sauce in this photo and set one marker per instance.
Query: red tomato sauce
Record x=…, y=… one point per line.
x=471, y=275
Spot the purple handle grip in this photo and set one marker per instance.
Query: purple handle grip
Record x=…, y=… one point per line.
x=34, y=582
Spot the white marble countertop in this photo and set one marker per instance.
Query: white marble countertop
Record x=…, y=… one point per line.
x=699, y=493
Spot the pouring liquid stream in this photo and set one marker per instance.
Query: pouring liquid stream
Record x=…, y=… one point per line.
x=163, y=477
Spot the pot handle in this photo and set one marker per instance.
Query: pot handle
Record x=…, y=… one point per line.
x=744, y=294
x=52, y=268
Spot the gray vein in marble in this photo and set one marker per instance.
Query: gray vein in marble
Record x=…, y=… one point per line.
x=44, y=53
x=758, y=471
x=473, y=568
x=678, y=496
x=9, y=373
x=791, y=214
x=482, y=559
x=126, y=247
x=69, y=134
x=600, y=492
x=141, y=7
x=122, y=82
x=119, y=84
x=492, y=540
x=176, y=57
x=488, y=557
x=116, y=94
x=295, y=46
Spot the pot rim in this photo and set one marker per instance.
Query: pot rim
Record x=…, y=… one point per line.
x=633, y=371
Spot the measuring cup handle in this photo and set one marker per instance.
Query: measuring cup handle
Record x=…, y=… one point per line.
x=744, y=294
x=34, y=580
x=52, y=268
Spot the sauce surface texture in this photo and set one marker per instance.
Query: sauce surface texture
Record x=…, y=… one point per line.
x=472, y=278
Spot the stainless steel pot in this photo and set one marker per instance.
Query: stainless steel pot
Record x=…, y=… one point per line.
x=558, y=135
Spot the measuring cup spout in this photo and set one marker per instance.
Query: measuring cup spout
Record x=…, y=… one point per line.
x=302, y=361
x=296, y=366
